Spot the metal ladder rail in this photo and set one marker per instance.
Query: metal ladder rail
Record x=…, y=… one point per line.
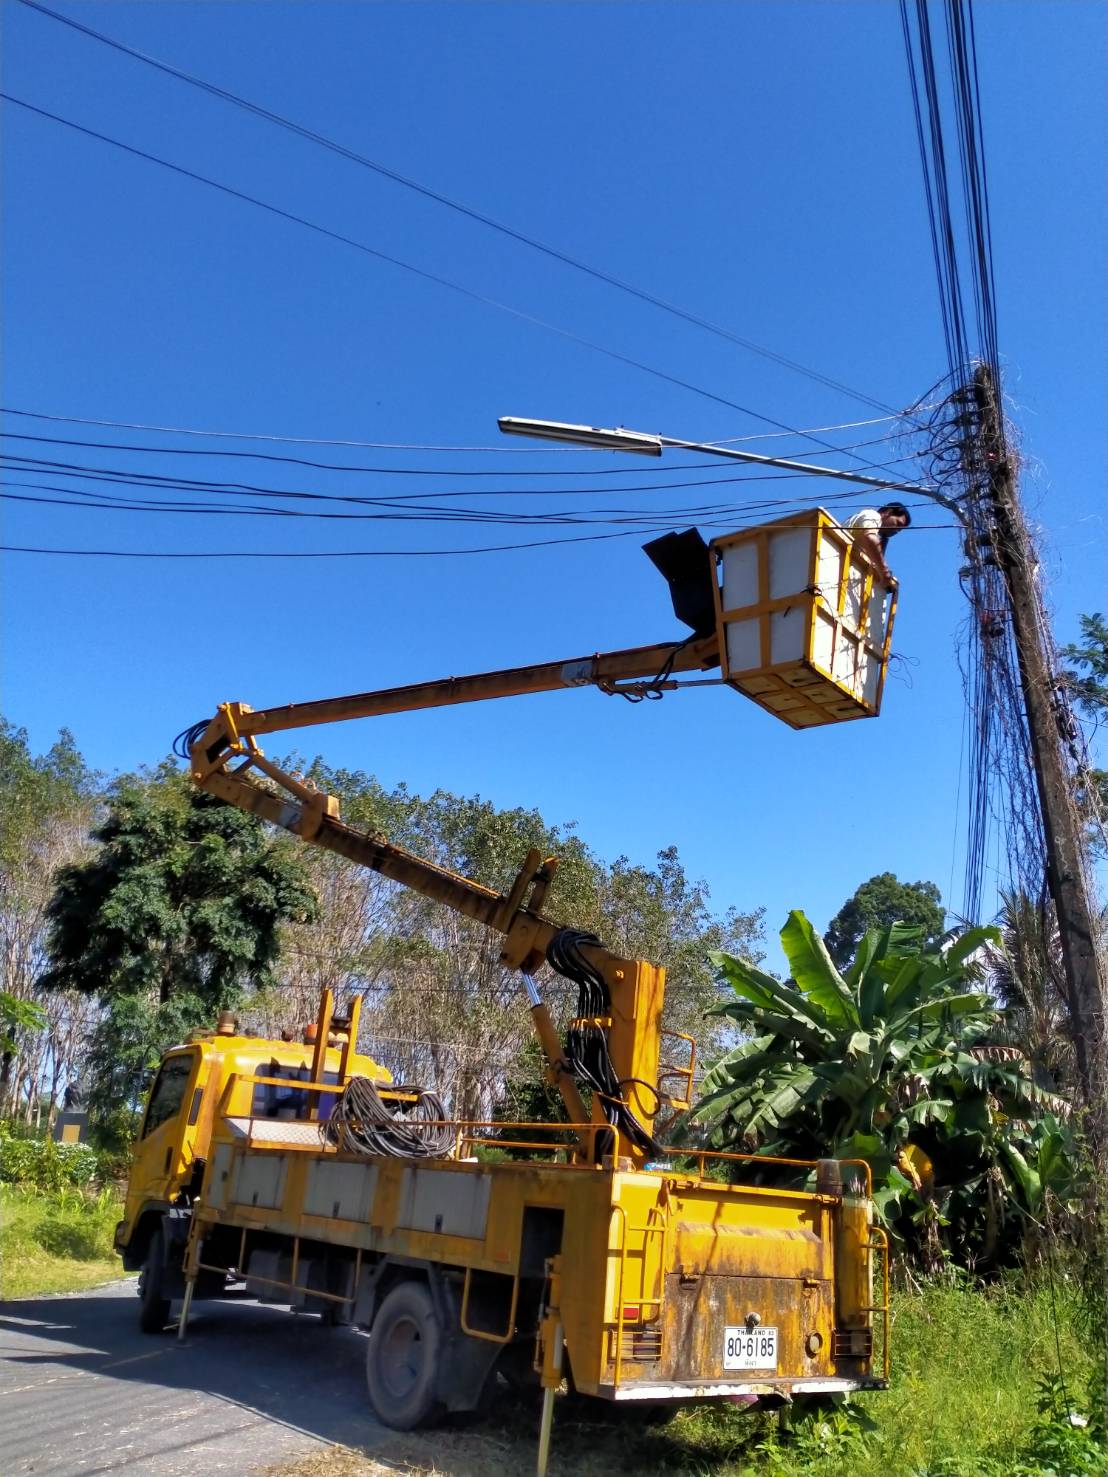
x=646, y=1231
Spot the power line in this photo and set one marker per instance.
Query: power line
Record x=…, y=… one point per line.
x=1003, y=806
x=304, y=554
x=164, y=482
x=358, y=553
x=82, y=471
x=297, y=461
x=455, y=205
x=420, y=272
x=391, y=510
x=589, y=517
x=499, y=450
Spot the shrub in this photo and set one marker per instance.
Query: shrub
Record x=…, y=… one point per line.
x=113, y=1135
x=1064, y=1441
x=42, y=1164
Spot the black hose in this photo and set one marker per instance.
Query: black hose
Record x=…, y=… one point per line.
x=586, y=1044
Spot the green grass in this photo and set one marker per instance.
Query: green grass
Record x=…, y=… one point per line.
x=963, y=1403
x=58, y=1241
x=966, y=1374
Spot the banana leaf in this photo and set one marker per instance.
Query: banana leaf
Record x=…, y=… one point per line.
x=814, y=972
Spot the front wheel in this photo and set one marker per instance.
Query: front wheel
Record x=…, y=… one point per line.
x=153, y=1304
x=403, y=1358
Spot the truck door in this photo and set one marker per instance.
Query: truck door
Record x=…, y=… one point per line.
x=174, y=1100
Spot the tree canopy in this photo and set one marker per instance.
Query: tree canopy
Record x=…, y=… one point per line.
x=172, y=905
x=176, y=913
x=1088, y=658
x=883, y=900
x=183, y=896
x=47, y=802
x=1087, y=681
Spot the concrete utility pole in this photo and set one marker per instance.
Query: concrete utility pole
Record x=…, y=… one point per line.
x=1066, y=876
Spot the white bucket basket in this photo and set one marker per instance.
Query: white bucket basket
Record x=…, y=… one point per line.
x=805, y=620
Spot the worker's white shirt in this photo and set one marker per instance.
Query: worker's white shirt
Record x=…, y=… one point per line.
x=867, y=521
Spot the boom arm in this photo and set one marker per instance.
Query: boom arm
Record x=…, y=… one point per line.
x=236, y=723
x=224, y=756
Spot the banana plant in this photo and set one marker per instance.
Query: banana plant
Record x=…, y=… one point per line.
x=887, y=1062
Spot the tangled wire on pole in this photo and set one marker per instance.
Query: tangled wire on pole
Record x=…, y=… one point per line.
x=361, y=1122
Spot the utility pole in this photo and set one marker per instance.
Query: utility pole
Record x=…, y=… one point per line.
x=1066, y=875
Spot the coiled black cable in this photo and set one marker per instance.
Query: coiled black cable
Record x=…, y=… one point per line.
x=361, y=1122
x=187, y=737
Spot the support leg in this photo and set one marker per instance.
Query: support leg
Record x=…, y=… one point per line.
x=549, y=1391
x=185, y=1306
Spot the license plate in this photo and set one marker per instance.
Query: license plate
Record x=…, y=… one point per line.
x=750, y=1348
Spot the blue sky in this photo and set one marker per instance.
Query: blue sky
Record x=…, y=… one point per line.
x=755, y=163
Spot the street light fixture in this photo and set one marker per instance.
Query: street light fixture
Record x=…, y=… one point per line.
x=594, y=436
x=650, y=445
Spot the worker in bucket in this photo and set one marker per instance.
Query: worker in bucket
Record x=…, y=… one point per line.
x=874, y=527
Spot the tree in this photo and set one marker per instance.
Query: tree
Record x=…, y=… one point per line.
x=183, y=897
x=877, y=903
x=176, y=914
x=46, y=806
x=890, y=1062
x=658, y=913
x=1087, y=682
x=16, y=1015
x=1087, y=679
x=1026, y=974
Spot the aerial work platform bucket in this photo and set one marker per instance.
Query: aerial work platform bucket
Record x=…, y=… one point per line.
x=805, y=620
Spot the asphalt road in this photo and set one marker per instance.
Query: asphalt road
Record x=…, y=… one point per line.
x=82, y=1391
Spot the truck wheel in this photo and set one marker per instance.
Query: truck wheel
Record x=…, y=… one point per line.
x=153, y=1306
x=403, y=1358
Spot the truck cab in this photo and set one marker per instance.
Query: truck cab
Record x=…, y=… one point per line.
x=208, y=1076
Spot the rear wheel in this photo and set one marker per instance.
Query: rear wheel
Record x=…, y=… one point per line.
x=153, y=1304
x=403, y=1358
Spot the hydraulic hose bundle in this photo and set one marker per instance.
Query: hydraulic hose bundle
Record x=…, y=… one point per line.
x=586, y=1044
x=362, y=1123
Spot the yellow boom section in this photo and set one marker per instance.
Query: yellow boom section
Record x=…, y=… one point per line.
x=227, y=761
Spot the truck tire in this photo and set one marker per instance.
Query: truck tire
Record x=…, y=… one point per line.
x=406, y=1346
x=153, y=1305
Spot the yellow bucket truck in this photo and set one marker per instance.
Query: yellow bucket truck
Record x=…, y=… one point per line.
x=581, y=1251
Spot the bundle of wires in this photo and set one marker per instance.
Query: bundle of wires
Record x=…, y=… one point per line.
x=586, y=1044
x=1004, y=812
x=362, y=1123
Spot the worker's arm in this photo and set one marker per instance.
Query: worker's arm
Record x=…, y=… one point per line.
x=870, y=539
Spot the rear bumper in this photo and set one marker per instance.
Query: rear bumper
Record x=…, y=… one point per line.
x=655, y=1390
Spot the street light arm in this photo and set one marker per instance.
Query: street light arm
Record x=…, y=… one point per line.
x=621, y=439
x=779, y=461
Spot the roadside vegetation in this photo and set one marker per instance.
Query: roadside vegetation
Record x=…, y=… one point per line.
x=904, y=1061
x=58, y=1211
x=975, y=1392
